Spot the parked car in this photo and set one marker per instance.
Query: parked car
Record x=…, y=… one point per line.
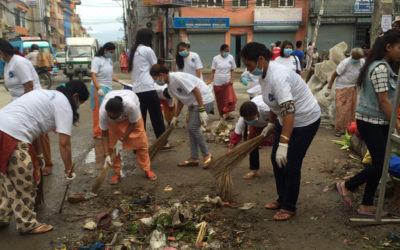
x=60, y=57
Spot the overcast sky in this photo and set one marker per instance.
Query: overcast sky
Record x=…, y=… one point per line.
x=102, y=19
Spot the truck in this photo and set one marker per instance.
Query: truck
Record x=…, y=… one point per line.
x=79, y=53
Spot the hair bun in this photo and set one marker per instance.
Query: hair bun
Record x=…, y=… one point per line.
x=118, y=98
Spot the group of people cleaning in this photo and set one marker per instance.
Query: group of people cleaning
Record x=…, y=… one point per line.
x=286, y=106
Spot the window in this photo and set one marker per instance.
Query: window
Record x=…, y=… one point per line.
x=262, y=2
x=17, y=18
x=23, y=21
x=239, y=3
x=208, y=3
x=286, y=3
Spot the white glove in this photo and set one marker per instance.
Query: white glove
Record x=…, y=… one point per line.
x=69, y=178
x=269, y=127
x=107, y=161
x=327, y=92
x=174, y=122
x=41, y=161
x=281, y=154
x=203, y=118
x=100, y=92
x=121, y=82
x=118, y=147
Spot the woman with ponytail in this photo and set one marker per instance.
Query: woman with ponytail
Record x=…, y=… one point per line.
x=123, y=128
x=102, y=77
x=22, y=122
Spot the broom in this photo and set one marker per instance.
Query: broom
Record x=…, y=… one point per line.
x=160, y=142
x=99, y=181
x=222, y=166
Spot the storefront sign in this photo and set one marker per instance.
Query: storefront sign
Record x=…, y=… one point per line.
x=186, y=3
x=363, y=6
x=386, y=22
x=268, y=16
x=201, y=23
x=32, y=3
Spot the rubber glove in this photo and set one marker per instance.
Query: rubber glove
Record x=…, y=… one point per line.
x=118, y=147
x=203, y=117
x=107, y=161
x=101, y=92
x=70, y=177
x=281, y=154
x=245, y=81
x=269, y=127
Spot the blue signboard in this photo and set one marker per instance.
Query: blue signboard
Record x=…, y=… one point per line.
x=363, y=6
x=201, y=23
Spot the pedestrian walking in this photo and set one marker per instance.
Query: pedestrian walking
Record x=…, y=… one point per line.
x=288, y=59
x=123, y=62
x=123, y=128
x=141, y=60
x=223, y=66
x=33, y=54
x=102, y=77
x=377, y=82
x=299, y=115
x=188, y=61
x=255, y=114
x=277, y=50
x=22, y=122
x=346, y=75
x=300, y=53
x=192, y=92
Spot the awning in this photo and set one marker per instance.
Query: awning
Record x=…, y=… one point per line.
x=274, y=16
x=275, y=28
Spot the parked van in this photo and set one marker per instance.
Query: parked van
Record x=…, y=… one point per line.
x=80, y=52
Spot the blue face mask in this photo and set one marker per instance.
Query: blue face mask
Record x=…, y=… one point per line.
x=225, y=54
x=355, y=61
x=160, y=83
x=252, y=122
x=287, y=52
x=183, y=53
x=108, y=55
x=257, y=72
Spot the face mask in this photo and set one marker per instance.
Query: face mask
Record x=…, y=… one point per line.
x=287, y=52
x=160, y=83
x=225, y=54
x=108, y=55
x=355, y=61
x=252, y=122
x=183, y=53
x=257, y=72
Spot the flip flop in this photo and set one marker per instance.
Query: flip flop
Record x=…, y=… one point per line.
x=188, y=164
x=43, y=228
x=284, y=215
x=151, y=175
x=369, y=213
x=207, y=162
x=348, y=199
x=167, y=148
x=46, y=171
x=251, y=175
x=273, y=205
x=114, y=180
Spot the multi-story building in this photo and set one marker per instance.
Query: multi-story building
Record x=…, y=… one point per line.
x=57, y=38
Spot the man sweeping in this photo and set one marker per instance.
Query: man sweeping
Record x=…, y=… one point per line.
x=255, y=114
x=123, y=128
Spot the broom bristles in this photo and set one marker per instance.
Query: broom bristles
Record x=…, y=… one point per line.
x=160, y=142
x=99, y=181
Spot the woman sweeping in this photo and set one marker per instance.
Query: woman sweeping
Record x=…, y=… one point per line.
x=377, y=82
x=141, y=60
x=298, y=113
x=123, y=62
x=22, y=122
x=122, y=128
x=188, y=61
x=194, y=93
x=102, y=77
x=223, y=66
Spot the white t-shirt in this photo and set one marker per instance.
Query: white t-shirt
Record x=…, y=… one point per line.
x=103, y=67
x=192, y=63
x=131, y=105
x=18, y=71
x=263, y=118
x=37, y=113
x=348, y=73
x=281, y=85
x=32, y=57
x=160, y=94
x=222, y=67
x=143, y=60
x=182, y=84
x=292, y=62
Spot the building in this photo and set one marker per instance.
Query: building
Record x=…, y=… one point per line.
x=57, y=38
x=237, y=22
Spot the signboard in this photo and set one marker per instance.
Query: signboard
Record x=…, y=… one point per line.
x=32, y=3
x=386, y=23
x=272, y=16
x=363, y=6
x=185, y=3
x=201, y=23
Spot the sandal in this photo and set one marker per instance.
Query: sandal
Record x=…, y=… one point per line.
x=371, y=213
x=348, y=200
x=339, y=134
x=115, y=179
x=273, y=205
x=42, y=228
x=250, y=175
x=167, y=147
x=207, y=162
x=98, y=137
x=284, y=215
x=188, y=164
x=151, y=175
x=46, y=171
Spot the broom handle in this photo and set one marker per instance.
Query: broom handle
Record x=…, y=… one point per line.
x=99, y=181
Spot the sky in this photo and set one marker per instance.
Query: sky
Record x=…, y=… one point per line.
x=102, y=19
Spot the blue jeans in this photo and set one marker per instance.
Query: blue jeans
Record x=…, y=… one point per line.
x=288, y=177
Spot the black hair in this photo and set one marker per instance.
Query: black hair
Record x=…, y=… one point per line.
x=115, y=105
x=166, y=94
x=252, y=51
x=378, y=52
x=278, y=43
x=158, y=68
x=34, y=47
x=248, y=108
x=179, y=59
x=74, y=87
x=143, y=37
x=299, y=44
x=6, y=47
x=365, y=46
x=108, y=46
x=223, y=47
x=284, y=44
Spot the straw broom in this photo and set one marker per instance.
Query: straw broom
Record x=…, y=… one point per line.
x=99, y=181
x=222, y=166
x=160, y=142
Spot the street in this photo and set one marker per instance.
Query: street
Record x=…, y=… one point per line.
x=321, y=222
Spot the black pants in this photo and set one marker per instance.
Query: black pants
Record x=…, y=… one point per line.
x=254, y=160
x=149, y=101
x=288, y=177
x=375, y=136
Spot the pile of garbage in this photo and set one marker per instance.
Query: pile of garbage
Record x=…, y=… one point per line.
x=218, y=132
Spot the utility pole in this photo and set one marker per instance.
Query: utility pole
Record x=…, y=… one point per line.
x=315, y=35
x=124, y=20
x=381, y=7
